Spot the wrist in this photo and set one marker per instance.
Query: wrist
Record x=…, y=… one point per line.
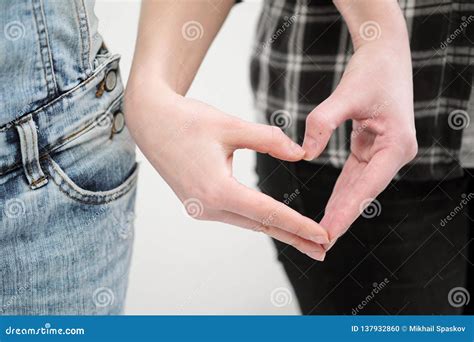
x=143, y=91
x=372, y=21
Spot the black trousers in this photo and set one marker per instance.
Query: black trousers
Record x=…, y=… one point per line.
x=409, y=258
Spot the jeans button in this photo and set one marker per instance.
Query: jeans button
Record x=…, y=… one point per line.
x=119, y=122
x=110, y=80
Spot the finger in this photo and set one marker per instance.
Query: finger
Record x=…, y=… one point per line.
x=264, y=209
x=310, y=248
x=357, y=185
x=265, y=139
x=321, y=122
x=328, y=246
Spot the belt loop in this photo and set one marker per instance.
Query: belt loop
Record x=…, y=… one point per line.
x=29, y=152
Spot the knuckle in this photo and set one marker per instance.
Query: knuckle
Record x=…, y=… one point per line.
x=318, y=123
x=312, y=120
x=235, y=125
x=277, y=134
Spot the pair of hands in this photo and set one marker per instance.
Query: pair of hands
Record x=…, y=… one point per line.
x=191, y=145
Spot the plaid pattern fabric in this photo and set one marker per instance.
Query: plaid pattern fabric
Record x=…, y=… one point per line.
x=302, y=48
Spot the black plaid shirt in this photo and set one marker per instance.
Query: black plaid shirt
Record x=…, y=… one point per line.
x=303, y=46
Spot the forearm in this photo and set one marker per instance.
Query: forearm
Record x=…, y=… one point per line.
x=173, y=38
x=371, y=20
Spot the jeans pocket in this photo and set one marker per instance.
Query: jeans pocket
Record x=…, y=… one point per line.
x=96, y=165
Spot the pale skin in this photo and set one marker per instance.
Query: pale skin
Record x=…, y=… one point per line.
x=191, y=144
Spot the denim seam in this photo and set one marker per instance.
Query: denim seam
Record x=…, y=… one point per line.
x=73, y=191
x=45, y=48
x=84, y=34
x=89, y=39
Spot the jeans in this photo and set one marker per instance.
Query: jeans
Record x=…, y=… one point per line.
x=67, y=164
x=410, y=251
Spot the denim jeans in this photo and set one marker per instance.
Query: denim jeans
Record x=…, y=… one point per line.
x=67, y=164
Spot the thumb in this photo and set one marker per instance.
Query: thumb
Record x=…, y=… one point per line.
x=265, y=139
x=321, y=122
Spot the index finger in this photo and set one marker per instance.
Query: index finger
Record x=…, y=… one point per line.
x=264, y=209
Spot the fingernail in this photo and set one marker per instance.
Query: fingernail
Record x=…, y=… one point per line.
x=308, y=144
x=328, y=246
x=317, y=255
x=321, y=239
x=296, y=149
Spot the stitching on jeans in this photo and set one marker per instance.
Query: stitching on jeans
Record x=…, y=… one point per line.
x=106, y=66
x=68, y=189
x=42, y=35
x=39, y=180
x=84, y=48
x=53, y=74
x=65, y=140
x=88, y=31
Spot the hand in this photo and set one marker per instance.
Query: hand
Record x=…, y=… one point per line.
x=191, y=145
x=376, y=94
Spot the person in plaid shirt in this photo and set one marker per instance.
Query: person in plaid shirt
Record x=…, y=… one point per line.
x=378, y=94
x=304, y=74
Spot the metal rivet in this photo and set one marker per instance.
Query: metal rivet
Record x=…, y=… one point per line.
x=110, y=80
x=119, y=122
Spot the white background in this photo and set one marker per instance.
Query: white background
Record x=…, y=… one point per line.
x=183, y=266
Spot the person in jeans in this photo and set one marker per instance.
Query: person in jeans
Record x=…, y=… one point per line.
x=68, y=171
x=67, y=163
